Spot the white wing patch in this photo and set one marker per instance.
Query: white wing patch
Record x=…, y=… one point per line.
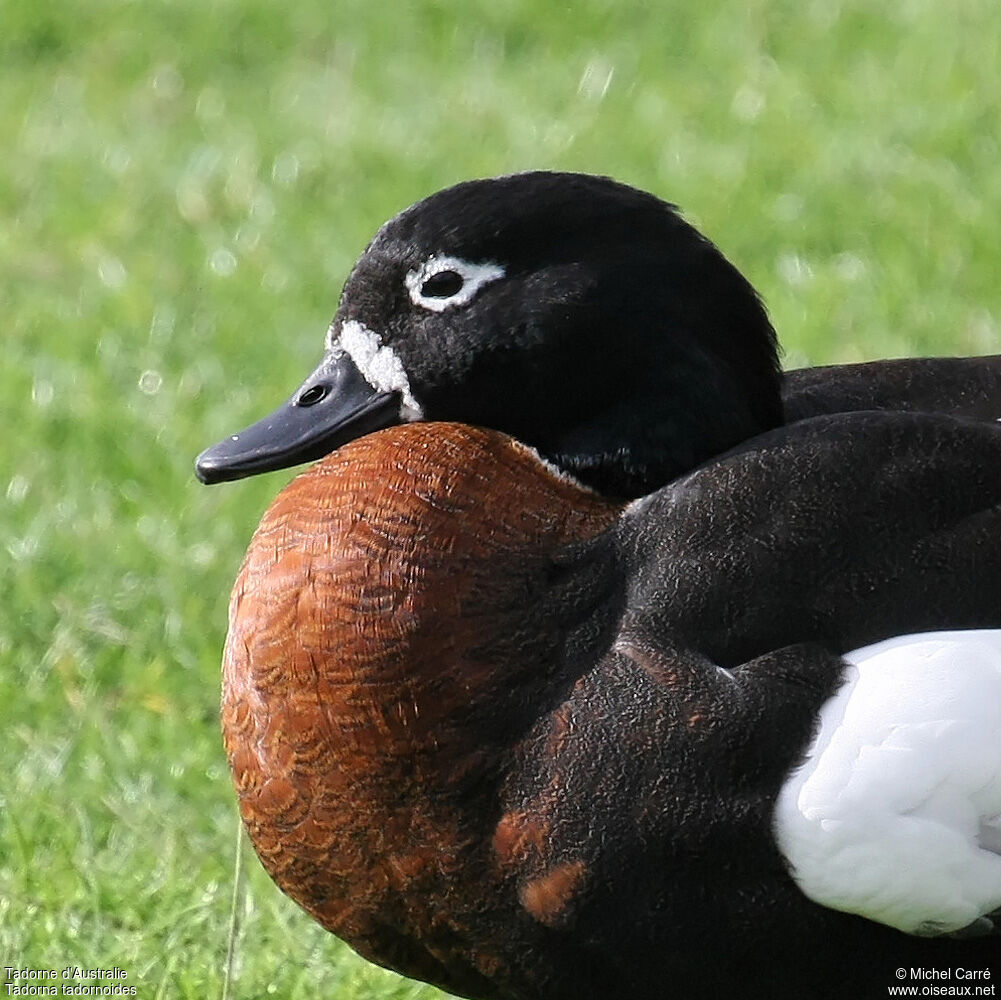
x=377, y=362
x=896, y=812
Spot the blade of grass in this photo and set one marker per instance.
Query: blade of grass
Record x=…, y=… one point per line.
x=234, y=911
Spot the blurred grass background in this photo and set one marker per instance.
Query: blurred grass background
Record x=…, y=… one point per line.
x=183, y=188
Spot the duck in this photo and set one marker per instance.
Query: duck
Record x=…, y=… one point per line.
x=594, y=656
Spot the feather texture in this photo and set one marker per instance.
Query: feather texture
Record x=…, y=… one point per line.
x=895, y=811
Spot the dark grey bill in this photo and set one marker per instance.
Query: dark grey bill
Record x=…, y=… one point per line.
x=333, y=406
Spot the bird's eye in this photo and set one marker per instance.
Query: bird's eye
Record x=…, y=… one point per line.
x=445, y=282
x=442, y=285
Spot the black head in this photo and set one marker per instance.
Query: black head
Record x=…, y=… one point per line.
x=579, y=315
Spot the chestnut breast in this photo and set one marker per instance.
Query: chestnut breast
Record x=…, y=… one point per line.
x=386, y=650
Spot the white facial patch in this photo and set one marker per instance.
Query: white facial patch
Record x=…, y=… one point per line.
x=379, y=365
x=457, y=282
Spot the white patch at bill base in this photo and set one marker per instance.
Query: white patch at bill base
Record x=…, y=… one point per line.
x=378, y=363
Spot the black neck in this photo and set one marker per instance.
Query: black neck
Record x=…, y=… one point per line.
x=640, y=444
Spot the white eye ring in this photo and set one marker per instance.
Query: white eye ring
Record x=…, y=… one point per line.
x=474, y=277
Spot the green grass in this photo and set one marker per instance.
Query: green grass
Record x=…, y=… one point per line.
x=183, y=188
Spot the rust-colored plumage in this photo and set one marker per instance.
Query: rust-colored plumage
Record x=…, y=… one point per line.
x=379, y=670
x=502, y=735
